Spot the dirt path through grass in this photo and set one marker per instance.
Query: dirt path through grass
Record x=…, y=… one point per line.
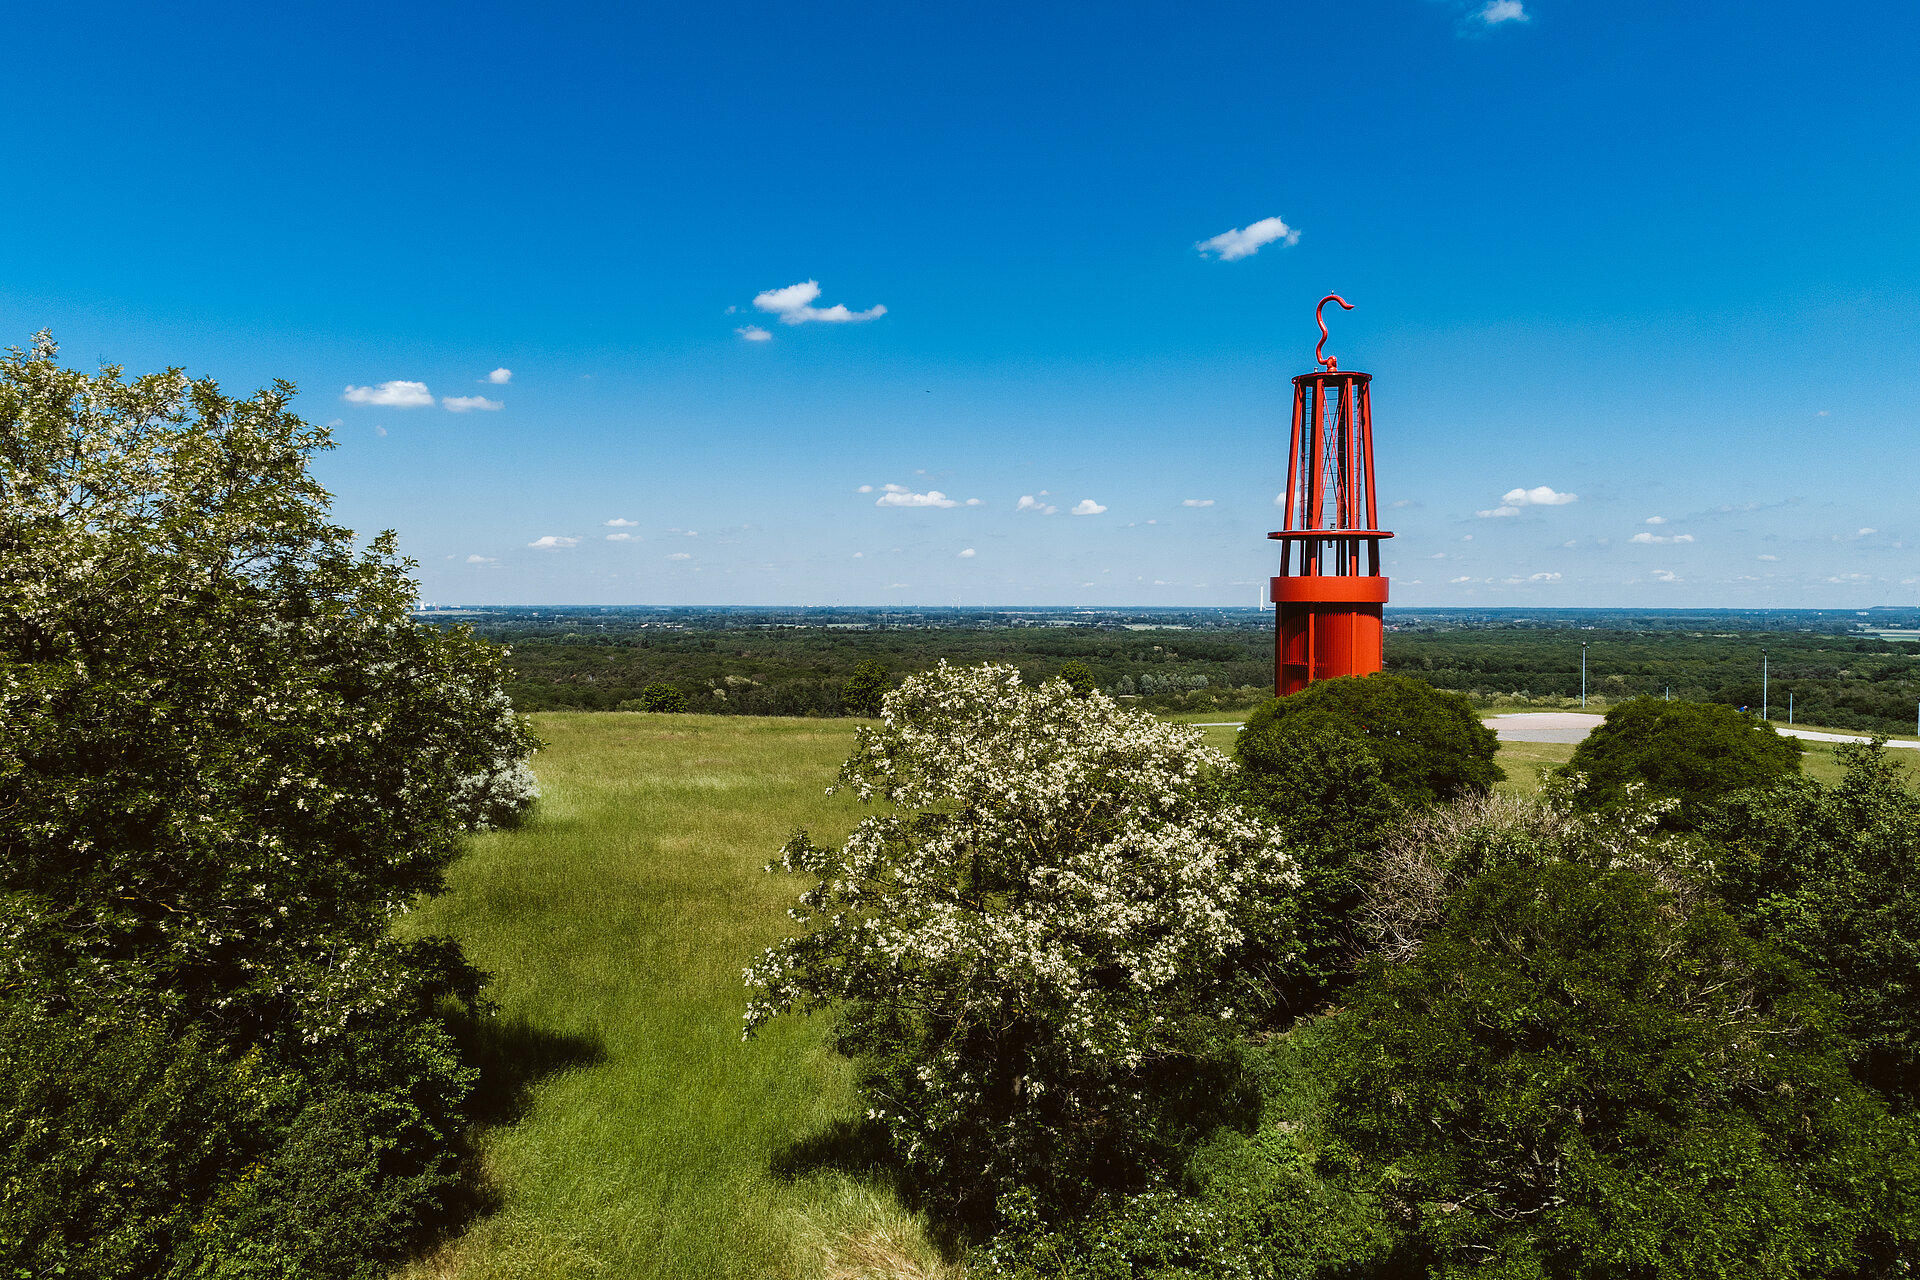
x=616, y=925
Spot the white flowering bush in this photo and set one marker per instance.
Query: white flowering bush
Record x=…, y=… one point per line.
x=1030, y=946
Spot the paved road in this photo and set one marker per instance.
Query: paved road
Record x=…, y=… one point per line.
x=1572, y=726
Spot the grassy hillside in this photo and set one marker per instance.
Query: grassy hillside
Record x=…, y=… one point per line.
x=616, y=926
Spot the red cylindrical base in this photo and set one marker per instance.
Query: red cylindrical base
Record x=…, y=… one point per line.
x=1325, y=626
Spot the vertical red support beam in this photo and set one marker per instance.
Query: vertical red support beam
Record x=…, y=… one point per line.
x=1293, y=474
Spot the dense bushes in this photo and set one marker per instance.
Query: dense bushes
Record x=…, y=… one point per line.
x=1034, y=949
x=1430, y=745
x=1572, y=1078
x=1692, y=753
x=228, y=760
x=1561, y=1057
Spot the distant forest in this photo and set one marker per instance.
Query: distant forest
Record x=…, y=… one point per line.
x=1835, y=666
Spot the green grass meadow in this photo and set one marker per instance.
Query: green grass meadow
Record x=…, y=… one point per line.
x=616, y=924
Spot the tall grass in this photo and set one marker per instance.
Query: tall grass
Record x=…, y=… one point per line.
x=616, y=925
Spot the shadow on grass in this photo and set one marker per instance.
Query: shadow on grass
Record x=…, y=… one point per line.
x=861, y=1150
x=512, y=1055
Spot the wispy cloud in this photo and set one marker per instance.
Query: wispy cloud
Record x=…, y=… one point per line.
x=465, y=404
x=1196, y=502
x=392, y=395
x=965, y=555
x=625, y=537
x=1665, y=575
x=1771, y=559
x=1087, y=507
x=553, y=542
x=621, y=522
x=1029, y=502
x=1238, y=243
x=1544, y=577
x=1655, y=520
x=754, y=333
x=1495, y=12
x=794, y=305
x=500, y=377
x=898, y=495
x=1660, y=539
x=482, y=560
x=680, y=555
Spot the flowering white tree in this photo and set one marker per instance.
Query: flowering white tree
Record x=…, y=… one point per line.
x=1028, y=944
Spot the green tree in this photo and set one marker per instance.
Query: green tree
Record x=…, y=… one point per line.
x=1832, y=874
x=229, y=758
x=1079, y=677
x=1693, y=753
x=1430, y=745
x=1030, y=947
x=1573, y=1079
x=864, y=689
x=661, y=696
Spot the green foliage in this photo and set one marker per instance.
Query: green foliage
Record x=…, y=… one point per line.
x=1325, y=792
x=1573, y=1080
x=1430, y=745
x=658, y=696
x=1079, y=677
x=864, y=689
x=229, y=760
x=1693, y=753
x=1030, y=946
x=1832, y=874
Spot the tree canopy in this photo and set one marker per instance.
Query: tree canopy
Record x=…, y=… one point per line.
x=1430, y=744
x=1694, y=753
x=228, y=760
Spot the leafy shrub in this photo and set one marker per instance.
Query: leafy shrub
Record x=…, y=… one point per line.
x=1031, y=949
x=1573, y=1079
x=1079, y=677
x=1695, y=753
x=1430, y=745
x=1832, y=874
x=658, y=696
x=865, y=688
x=228, y=760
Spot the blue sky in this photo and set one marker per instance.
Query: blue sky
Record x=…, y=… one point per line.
x=1658, y=257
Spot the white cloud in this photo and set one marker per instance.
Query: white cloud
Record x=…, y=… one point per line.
x=625, y=537
x=1237, y=243
x=1544, y=577
x=482, y=560
x=379, y=430
x=859, y=555
x=1656, y=520
x=1030, y=503
x=1771, y=559
x=898, y=495
x=621, y=522
x=552, y=542
x=1542, y=496
x=1864, y=532
x=1665, y=575
x=1460, y=579
x=680, y=555
x=754, y=333
x=1495, y=12
x=976, y=502
x=462, y=404
x=500, y=377
x=794, y=305
x=1196, y=502
x=1087, y=507
x=865, y=488
x=392, y=395
x=966, y=555
x=1646, y=539
x=1498, y=513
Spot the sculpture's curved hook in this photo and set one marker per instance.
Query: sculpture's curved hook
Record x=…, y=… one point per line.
x=1327, y=362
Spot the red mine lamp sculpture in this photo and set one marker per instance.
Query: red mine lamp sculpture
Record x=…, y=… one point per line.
x=1328, y=597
